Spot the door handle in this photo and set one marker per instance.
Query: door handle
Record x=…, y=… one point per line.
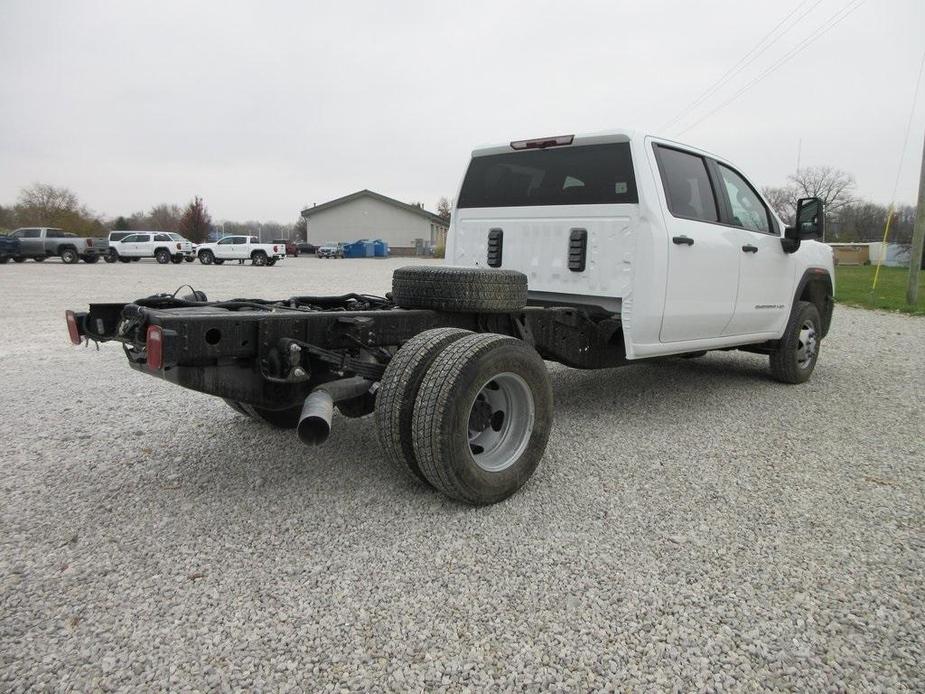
x=748, y=248
x=683, y=240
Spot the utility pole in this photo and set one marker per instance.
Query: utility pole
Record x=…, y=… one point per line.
x=918, y=239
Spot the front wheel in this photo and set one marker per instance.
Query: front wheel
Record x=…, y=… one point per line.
x=206, y=257
x=69, y=256
x=189, y=258
x=177, y=259
x=271, y=262
x=482, y=418
x=111, y=257
x=795, y=357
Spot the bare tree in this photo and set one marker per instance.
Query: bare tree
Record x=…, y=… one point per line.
x=782, y=200
x=42, y=204
x=300, y=229
x=443, y=208
x=196, y=222
x=834, y=186
x=164, y=217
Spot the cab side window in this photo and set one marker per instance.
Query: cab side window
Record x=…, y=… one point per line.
x=747, y=209
x=687, y=185
x=161, y=237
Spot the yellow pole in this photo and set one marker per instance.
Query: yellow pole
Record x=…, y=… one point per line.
x=886, y=233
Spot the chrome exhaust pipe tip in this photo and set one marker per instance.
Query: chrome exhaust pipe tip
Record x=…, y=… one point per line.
x=315, y=420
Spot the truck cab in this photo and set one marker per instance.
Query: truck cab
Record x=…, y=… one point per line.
x=675, y=240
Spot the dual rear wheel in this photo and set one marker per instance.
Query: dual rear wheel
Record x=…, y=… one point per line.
x=466, y=413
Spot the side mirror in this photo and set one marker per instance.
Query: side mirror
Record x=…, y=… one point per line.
x=810, y=218
x=810, y=224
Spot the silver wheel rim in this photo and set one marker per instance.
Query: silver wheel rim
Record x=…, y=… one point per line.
x=500, y=422
x=807, y=345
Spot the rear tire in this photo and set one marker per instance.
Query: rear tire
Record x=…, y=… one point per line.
x=398, y=390
x=162, y=256
x=459, y=289
x=90, y=259
x=795, y=358
x=482, y=418
x=271, y=262
x=259, y=258
x=69, y=256
x=177, y=259
x=190, y=258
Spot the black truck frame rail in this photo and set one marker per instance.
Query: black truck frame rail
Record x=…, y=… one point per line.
x=272, y=354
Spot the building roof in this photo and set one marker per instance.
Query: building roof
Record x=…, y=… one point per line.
x=309, y=211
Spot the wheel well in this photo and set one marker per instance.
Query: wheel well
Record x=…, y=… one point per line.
x=818, y=291
x=69, y=247
x=258, y=252
x=161, y=248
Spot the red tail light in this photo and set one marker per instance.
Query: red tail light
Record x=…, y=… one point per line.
x=89, y=243
x=72, y=330
x=178, y=246
x=155, y=347
x=274, y=249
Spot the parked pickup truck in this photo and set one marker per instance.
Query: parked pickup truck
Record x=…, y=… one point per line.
x=9, y=248
x=40, y=243
x=164, y=246
x=240, y=248
x=593, y=251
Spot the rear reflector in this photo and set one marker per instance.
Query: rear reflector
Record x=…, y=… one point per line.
x=155, y=347
x=72, y=330
x=543, y=142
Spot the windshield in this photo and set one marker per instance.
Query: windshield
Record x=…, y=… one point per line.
x=579, y=175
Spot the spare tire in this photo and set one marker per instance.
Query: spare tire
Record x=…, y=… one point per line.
x=459, y=289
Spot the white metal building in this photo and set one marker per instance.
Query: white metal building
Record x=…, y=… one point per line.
x=369, y=215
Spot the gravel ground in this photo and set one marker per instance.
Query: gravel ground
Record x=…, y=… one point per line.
x=693, y=525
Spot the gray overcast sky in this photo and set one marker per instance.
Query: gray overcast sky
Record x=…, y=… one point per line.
x=262, y=107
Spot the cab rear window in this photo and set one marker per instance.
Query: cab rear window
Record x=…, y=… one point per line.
x=577, y=175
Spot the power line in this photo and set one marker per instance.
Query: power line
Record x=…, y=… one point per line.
x=826, y=26
x=902, y=156
x=746, y=60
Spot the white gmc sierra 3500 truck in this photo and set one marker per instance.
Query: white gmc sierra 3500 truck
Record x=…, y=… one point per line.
x=594, y=251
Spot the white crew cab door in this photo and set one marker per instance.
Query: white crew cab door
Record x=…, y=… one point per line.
x=703, y=253
x=766, y=272
x=224, y=249
x=130, y=245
